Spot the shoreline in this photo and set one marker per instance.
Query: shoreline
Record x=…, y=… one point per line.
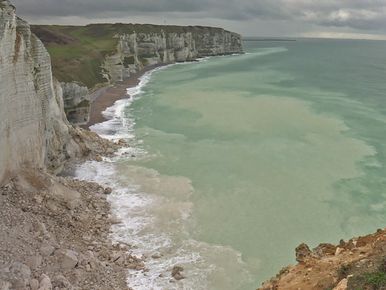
x=151, y=266
x=57, y=234
x=106, y=97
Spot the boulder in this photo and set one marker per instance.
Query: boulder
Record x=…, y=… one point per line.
x=302, y=253
x=45, y=282
x=68, y=259
x=108, y=191
x=156, y=256
x=176, y=273
x=34, y=262
x=342, y=285
x=34, y=284
x=22, y=274
x=47, y=250
x=62, y=282
x=325, y=250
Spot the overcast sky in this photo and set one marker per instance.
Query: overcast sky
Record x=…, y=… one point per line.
x=323, y=18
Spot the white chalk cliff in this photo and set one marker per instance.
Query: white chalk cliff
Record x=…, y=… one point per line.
x=34, y=131
x=136, y=50
x=134, y=46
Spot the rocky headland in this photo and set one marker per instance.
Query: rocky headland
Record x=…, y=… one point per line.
x=86, y=58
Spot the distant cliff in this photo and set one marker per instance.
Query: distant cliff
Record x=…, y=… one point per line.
x=34, y=131
x=108, y=53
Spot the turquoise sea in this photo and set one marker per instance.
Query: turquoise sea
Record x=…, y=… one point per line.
x=236, y=160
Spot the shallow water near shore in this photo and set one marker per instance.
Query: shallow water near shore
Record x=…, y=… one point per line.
x=236, y=160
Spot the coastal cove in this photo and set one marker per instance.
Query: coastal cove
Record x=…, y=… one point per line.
x=142, y=156
x=230, y=198
x=55, y=229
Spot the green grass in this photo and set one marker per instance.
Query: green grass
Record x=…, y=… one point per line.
x=369, y=278
x=77, y=52
x=377, y=279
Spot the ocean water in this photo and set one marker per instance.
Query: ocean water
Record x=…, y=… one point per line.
x=234, y=161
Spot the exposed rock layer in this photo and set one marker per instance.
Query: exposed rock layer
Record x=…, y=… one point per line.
x=34, y=131
x=135, y=50
x=76, y=102
x=54, y=231
x=120, y=50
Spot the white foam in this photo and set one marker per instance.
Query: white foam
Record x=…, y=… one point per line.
x=118, y=126
x=156, y=223
x=153, y=214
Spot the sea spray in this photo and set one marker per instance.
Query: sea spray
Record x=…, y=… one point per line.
x=117, y=126
x=154, y=212
x=155, y=226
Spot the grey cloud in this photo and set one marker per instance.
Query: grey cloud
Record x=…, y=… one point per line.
x=351, y=14
x=90, y=7
x=354, y=14
x=220, y=9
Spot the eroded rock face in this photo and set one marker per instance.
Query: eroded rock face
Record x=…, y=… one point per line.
x=34, y=131
x=76, y=102
x=128, y=49
x=136, y=50
x=302, y=253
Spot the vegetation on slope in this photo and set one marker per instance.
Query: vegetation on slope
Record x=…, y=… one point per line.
x=77, y=52
x=368, y=275
x=357, y=264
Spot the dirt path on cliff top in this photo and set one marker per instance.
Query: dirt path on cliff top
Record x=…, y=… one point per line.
x=107, y=96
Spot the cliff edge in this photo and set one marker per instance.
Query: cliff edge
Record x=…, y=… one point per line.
x=357, y=264
x=54, y=230
x=88, y=57
x=34, y=131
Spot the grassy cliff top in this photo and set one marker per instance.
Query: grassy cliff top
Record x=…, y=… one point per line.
x=77, y=52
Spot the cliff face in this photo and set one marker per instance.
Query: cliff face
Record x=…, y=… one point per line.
x=76, y=102
x=34, y=131
x=136, y=50
x=108, y=53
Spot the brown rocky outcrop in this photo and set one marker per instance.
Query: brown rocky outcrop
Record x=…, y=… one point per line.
x=355, y=264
